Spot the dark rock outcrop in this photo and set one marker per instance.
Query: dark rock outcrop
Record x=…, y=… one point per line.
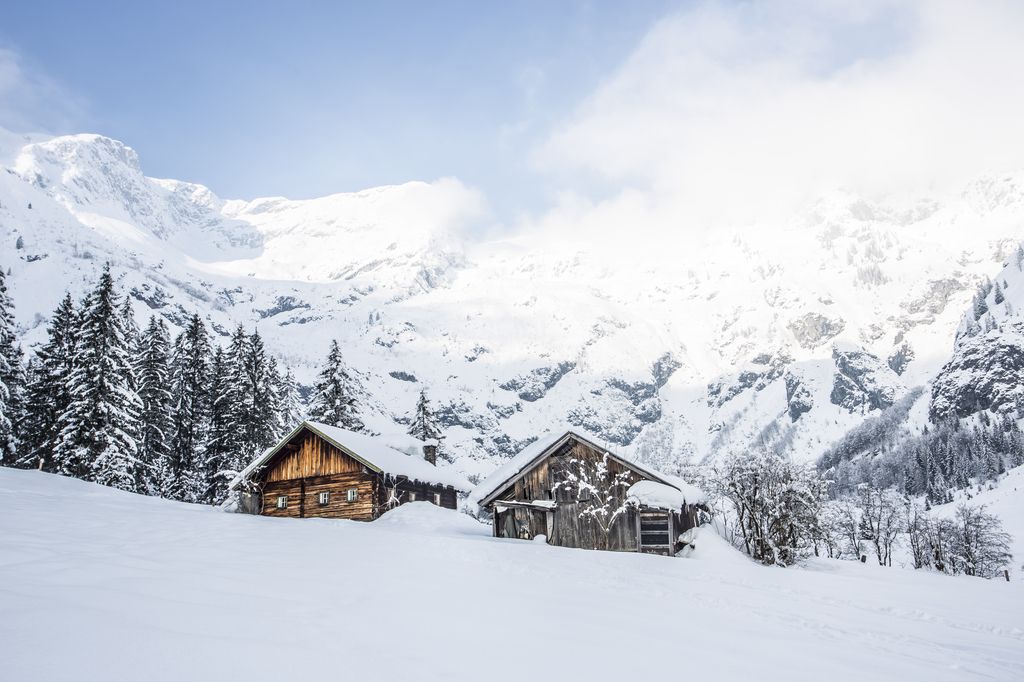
x=986, y=372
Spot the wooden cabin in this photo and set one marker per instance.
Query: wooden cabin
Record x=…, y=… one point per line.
x=319, y=470
x=579, y=494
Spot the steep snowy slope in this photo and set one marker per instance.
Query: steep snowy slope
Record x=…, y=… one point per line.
x=677, y=345
x=100, y=584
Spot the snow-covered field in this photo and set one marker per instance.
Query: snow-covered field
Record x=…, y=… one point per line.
x=97, y=584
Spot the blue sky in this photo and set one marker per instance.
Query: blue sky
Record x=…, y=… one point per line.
x=565, y=115
x=306, y=98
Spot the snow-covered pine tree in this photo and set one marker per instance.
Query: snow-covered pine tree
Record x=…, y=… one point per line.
x=259, y=418
x=96, y=430
x=998, y=294
x=248, y=410
x=47, y=391
x=980, y=304
x=424, y=423
x=236, y=359
x=278, y=426
x=222, y=441
x=132, y=342
x=292, y=409
x=153, y=371
x=190, y=363
x=11, y=379
x=334, y=398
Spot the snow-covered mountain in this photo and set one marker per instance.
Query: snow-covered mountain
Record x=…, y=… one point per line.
x=675, y=346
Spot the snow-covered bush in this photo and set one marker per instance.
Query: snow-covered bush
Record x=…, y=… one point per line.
x=777, y=505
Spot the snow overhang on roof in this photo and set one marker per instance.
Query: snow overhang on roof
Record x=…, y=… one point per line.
x=394, y=454
x=660, y=495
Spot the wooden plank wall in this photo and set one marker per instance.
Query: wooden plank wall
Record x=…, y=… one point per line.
x=309, y=456
x=568, y=529
x=308, y=504
x=535, y=484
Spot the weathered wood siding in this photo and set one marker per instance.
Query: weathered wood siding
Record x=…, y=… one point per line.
x=534, y=484
x=568, y=528
x=304, y=497
x=310, y=456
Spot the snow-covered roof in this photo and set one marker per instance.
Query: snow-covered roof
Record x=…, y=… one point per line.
x=397, y=454
x=537, y=451
x=659, y=495
x=692, y=493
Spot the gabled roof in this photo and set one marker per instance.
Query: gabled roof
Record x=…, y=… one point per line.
x=535, y=453
x=395, y=454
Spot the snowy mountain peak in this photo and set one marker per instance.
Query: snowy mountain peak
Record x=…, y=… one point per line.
x=675, y=346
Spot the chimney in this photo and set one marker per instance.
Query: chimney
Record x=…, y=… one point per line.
x=430, y=453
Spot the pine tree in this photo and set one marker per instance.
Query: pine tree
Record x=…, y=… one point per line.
x=222, y=441
x=48, y=390
x=998, y=295
x=424, y=425
x=96, y=440
x=153, y=372
x=980, y=305
x=334, y=399
x=272, y=389
x=11, y=379
x=258, y=418
x=292, y=409
x=190, y=401
x=236, y=359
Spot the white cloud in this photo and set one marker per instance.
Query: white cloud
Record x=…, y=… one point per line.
x=740, y=112
x=31, y=101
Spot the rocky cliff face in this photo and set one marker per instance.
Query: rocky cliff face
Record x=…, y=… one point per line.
x=985, y=373
x=674, y=347
x=986, y=370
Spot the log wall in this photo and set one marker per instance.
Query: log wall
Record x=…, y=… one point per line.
x=303, y=497
x=310, y=465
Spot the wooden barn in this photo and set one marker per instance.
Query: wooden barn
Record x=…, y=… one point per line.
x=324, y=471
x=578, y=494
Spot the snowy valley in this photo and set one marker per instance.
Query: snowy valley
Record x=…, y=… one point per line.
x=789, y=333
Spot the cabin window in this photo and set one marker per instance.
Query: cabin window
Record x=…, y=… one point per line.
x=437, y=499
x=324, y=498
x=351, y=494
x=282, y=501
x=412, y=496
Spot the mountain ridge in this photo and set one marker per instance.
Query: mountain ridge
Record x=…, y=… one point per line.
x=679, y=347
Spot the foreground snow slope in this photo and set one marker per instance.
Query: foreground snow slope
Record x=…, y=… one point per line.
x=99, y=584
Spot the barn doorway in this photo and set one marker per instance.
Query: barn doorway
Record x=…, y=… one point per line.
x=655, y=532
